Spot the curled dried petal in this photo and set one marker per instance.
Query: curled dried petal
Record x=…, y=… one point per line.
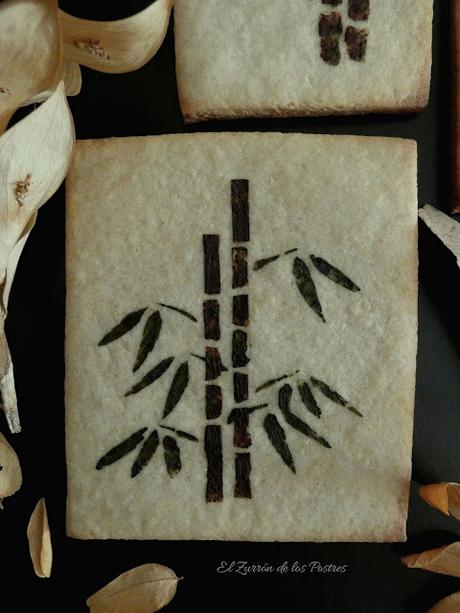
x=442, y=496
x=10, y=470
x=443, y=560
x=38, y=533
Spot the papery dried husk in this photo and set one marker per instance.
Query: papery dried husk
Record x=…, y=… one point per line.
x=38, y=533
x=445, y=228
x=443, y=560
x=35, y=155
x=143, y=589
x=116, y=46
x=450, y=604
x=10, y=470
x=70, y=74
x=444, y=497
x=30, y=52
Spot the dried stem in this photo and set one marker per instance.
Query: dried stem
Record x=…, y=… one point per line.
x=7, y=388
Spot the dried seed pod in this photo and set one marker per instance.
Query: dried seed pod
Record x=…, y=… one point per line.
x=143, y=589
x=10, y=470
x=38, y=533
x=451, y=604
x=443, y=560
x=442, y=496
x=35, y=155
x=30, y=51
x=116, y=46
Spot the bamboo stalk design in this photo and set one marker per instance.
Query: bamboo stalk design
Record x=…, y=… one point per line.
x=240, y=319
x=214, y=368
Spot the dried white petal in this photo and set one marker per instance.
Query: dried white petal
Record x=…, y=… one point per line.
x=445, y=228
x=10, y=470
x=116, y=46
x=71, y=75
x=38, y=533
x=30, y=52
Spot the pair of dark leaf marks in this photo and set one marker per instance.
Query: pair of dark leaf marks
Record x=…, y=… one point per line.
x=304, y=279
x=179, y=383
x=272, y=426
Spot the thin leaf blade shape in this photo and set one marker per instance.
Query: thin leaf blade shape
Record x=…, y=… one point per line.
x=308, y=399
x=172, y=456
x=182, y=434
x=307, y=286
x=284, y=402
x=128, y=322
x=277, y=438
x=146, y=453
x=330, y=393
x=334, y=274
x=152, y=376
x=178, y=386
x=178, y=310
x=150, y=336
x=122, y=449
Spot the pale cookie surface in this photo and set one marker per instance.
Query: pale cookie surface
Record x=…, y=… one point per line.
x=155, y=221
x=302, y=57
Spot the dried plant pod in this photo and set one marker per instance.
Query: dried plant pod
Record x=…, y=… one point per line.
x=116, y=46
x=444, y=497
x=35, y=155
x=443, y=560
x=71, y=76
x=450, y=604
x=30, y=52
x=38, y=533
x=10, y=470
x=144, y=589
x=445, y=228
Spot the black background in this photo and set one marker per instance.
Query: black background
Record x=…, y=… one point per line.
x=145, y=102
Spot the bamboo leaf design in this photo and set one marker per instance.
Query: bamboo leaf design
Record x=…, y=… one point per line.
x=307, y=286
x=308, y=399
x=277, y=438
x=284, y=402
x=151, y=376
x=181, y=433
x=334, y=396
x=126, y=324
x=244, y=411
x=202, y=358
x=258, y=264
x=122, y=449
x=150, y=336
x=274, y=381
x=172, y=456
x=146, y=453
x=334, y=274
x=177, y=310
x=178, y=387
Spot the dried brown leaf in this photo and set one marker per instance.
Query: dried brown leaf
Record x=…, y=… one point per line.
x=30, y=52
x=451, y=604
x=443, y=560
x=38, y=533
x=10, y=470
x=116, y=46
x=445, y=228
x=444, y=497
x=35, y=155
x=144, y=589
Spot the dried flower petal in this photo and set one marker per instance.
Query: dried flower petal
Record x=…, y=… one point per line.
x=442, y=496
x=10, y=470
x=35, y=155
x=116, y=46
x=444, y=560
x=451, y=604
x=445, y=228
x=30, y=52
x=38, y=533
x=144, y=589
x=71, y=75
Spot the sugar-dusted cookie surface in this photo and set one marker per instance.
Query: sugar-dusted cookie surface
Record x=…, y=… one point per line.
x=303, y=57
x=241, y=337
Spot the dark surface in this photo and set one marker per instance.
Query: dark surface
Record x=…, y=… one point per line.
x=145, y=102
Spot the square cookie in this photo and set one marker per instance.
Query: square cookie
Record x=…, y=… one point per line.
x=272, y=58
x=241, y=337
